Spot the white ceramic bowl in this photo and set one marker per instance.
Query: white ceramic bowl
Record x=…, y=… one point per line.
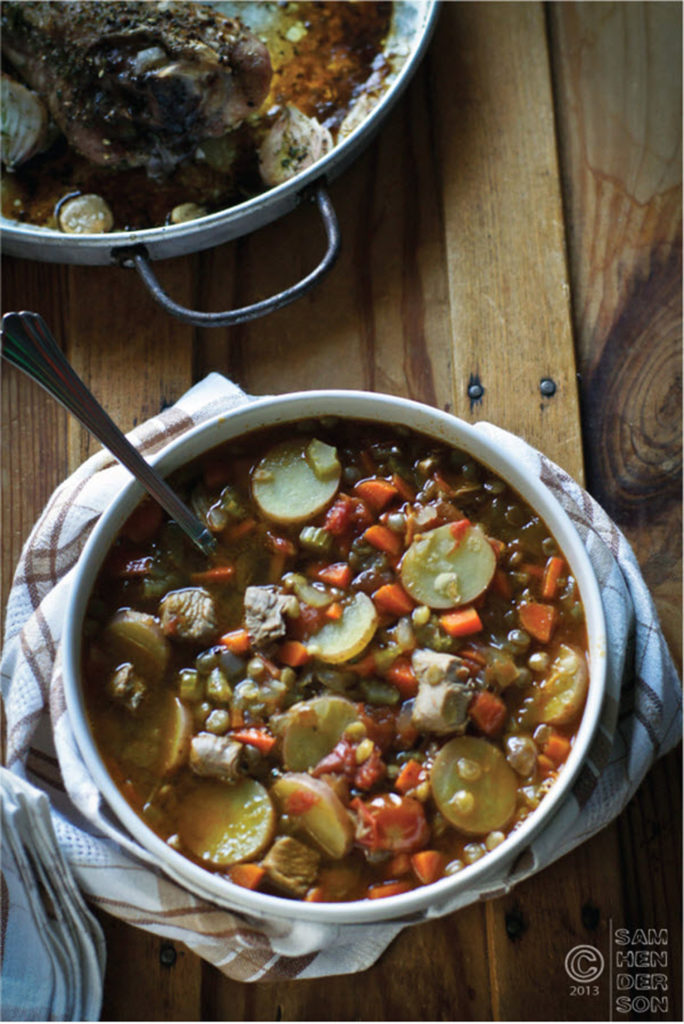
x=430, y=900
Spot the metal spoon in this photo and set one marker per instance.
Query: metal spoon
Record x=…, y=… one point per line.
x=28, y=344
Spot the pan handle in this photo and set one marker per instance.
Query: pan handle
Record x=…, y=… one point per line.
x=137, y=256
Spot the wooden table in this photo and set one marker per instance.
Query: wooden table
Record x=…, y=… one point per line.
x=517, y=220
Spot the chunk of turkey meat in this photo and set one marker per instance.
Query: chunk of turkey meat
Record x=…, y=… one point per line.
x=291, y=865
x=189, y=614
x=445, y=690
x=217, y=757
x=265, y=611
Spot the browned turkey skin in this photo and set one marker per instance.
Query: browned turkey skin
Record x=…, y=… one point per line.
x=137, y=84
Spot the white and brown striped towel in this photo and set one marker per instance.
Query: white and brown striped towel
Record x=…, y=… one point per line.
x=641, y=721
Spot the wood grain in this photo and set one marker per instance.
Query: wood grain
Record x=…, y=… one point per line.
x=618, y=77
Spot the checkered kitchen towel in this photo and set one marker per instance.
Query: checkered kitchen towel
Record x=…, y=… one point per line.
x=641, y=721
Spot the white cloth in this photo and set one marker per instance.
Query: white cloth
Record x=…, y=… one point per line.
x=641, y=721
x=52, y=948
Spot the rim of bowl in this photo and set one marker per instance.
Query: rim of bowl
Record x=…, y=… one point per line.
x=385, y=409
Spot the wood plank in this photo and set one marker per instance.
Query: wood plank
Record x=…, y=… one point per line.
x=503, y=218
x=618, y=69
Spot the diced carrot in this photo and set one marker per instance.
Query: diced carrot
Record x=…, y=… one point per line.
x=259, y=738
x=428, y=865
x=334, y=611
x=399, y=865
x=316, y=895
x=239, y=530
x=392, y=598
x=532, y=569
x=338, y=574
x=538, y=619
x=401, y=675
x=552, y=572
x=488, y=712
x=217, y=574
x=383, y=538
x=403, y=487
x=143, y=522
x=545, y=765
x=293, y=653
x=501, y=584
x=365, y=666
x=409, y=776
x=462, y=622
x=557, y=747
x=247, y=875
x=237, y=641
x=376, y=492
x=459, y=529
x=376, y=892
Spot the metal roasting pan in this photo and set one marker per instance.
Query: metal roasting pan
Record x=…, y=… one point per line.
x=413, y=22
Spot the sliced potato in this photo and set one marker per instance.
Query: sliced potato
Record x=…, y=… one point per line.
x=318, y=809
x=344, y=638
x=441, y=571
x=563, y=692
x=292, y=482
x=138, y=637
x=473, y=785
x=314, y=727
x=222, y=824
x=176, y=736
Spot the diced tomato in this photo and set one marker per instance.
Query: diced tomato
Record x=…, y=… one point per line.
x=339, y=516
x=392, y=823
x=300, y=802
x=370, y=771
x=459, y=529
x=341, y=760
x=308, y=622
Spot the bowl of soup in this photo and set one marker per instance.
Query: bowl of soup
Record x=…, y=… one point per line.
x=376, y=691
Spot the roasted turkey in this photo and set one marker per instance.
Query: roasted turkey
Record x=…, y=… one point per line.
x=135, y=84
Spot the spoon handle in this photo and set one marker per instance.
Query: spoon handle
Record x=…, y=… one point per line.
x=28, y=344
